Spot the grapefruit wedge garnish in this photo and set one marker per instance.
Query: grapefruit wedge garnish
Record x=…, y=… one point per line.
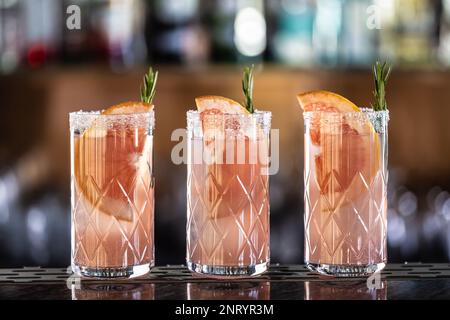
x=214, y=136
x=324, y=101
x=347, y=155
x=214, y=128
x=129, y=107
x=219, y=105
x=111, y=163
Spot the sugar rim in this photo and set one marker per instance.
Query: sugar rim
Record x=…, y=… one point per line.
x=337, y=117
x=97, y=113
x=81, y=120
x=264, y=116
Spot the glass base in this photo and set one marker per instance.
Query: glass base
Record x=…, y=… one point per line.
x=228, y=271
x=108, y=273
x=345, y=270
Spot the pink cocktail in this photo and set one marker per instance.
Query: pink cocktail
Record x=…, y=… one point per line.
x=345, y=191
x=228, y=193
x=112, y=193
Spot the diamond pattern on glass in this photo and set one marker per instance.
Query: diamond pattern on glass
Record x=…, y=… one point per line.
x=103, y=240
x=228, y=215
x=344, y=229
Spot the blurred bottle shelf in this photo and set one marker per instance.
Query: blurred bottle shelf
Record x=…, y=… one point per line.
x=305, y=33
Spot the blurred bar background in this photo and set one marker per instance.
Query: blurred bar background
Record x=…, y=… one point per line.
x=199, y=46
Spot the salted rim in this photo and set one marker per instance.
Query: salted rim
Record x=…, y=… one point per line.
x=257, y=114
x=98, y=113
x=81, y=120
x=365, y=113
x=194, y=117
x=261, y=119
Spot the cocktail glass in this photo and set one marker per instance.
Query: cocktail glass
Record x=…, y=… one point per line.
x=345, y=191
x=228, y=193
x=112, y=194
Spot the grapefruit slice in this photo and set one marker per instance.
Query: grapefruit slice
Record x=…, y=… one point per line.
x=325, y=101
x=219, y=105
x=214, y=129
x=346, y=155
x=222, y=180
x=129, y=107
x=210, y=105
x=111, y=164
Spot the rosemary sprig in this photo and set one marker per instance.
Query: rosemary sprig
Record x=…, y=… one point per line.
x=149, y=86
x=381, y=72
x=247, y=88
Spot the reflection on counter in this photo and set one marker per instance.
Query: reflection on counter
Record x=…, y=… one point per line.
x=228, y=290
x=344, y=290
x=114, y=291
x=284, y=282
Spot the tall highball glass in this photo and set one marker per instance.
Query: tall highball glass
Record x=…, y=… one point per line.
x=112, y=194
x=228, y=193
x=345, y=191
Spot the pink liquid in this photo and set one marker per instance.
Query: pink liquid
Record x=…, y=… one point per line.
x=345, y=197
x=112, y=198
x=228, y=210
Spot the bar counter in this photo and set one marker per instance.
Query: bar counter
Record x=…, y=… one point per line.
x=397, y=282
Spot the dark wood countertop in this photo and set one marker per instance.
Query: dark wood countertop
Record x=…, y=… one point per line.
x=397, y=282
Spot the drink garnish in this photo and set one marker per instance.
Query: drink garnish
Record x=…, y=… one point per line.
x=221, y=105
x=247, y=88
x=381, y=73
x=347, y=150
x=148, y=89
x=129, y=161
